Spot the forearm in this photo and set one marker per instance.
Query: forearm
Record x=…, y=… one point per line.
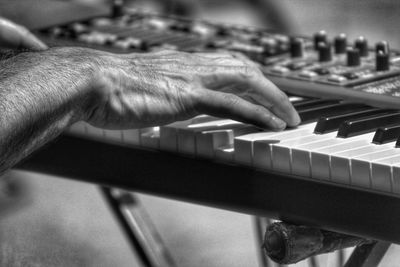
x=41, y=94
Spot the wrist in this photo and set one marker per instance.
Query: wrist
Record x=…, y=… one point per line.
x=81, y=66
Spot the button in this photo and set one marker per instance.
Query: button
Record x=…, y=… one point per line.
x=336, y=78
x=308, y=74
x=350, y=75
x=321, y=71
x=297, y=65
x=361, y=44
x=280, y=70
x=340, y=44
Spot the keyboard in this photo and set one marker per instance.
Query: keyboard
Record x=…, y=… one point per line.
x=340, y=167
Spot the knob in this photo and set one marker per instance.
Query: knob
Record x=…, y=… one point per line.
x=117, y=8
x=340, y=44
x=361, y=44
x=320, y=37
x=353, y=57
x=382, y=46
x=296, y=47
x=325, y=52
x=382, y=61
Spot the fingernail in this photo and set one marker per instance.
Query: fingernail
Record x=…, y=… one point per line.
x=278, y=124
x=296, y=119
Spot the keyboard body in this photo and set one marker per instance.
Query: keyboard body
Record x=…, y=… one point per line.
x=217, y=162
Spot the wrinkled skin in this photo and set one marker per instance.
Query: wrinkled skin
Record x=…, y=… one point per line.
x=142, y=90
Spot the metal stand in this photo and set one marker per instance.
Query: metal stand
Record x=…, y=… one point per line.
x=368, y=255
x=136, y=224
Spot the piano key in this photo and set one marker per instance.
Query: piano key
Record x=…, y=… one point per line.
x=207, y=142
x=386, y=134
x=396, y=178
x=309, y=103
x=281, y=152
x=244, y=145
x=94, y=132
x=113, y=135
x=341, y=162
x=320, y=158
x=225, y=154
x=382, y=173
x=331, y=123
x=169, y=133
x=314, y=113
x=363, y=125
x=78, y=128
x=361, y=166
x=187, y=135
x=301, y=155
x=131, y=137
x=150, y=138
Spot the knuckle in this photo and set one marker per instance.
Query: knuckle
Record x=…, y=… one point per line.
x=233, y=100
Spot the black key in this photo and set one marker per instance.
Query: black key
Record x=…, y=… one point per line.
x=313, y=103
x=387, y=134
x=331, y=123
x=368, y=124
x=314, y=113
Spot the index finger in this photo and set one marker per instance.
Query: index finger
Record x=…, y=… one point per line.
x=256, y=86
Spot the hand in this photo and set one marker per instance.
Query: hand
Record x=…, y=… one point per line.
x=16, y=36
x=142, y=90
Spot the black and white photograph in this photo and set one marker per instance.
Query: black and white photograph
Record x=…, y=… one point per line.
x=199, y=133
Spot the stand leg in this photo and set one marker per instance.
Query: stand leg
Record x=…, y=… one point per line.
x=260, y=224
x=368, y=255
x=139, y=229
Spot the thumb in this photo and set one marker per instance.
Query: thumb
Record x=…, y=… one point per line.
x=16, y=36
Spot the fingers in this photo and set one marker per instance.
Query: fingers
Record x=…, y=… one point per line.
x=17, y=36
x=256, y=87
x=234, y=107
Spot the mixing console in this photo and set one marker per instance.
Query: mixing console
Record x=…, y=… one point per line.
x=315, y=66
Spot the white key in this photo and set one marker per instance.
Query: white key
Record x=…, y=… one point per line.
x=382, y=173
x=207, y=142
x=169, y=133
x=320, y=158
x=281, y=152
x=95, y=132
x=78, y=128
x=341, y=162
x=187, y=135
x=131, y=137
x=361, y=166
x=247, y=145
x=301, y=156
x=225, y=154
x=396, y=178
x=150, y=138
x=113, y=135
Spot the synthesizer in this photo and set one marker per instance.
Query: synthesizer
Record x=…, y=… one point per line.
x=347, y=95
